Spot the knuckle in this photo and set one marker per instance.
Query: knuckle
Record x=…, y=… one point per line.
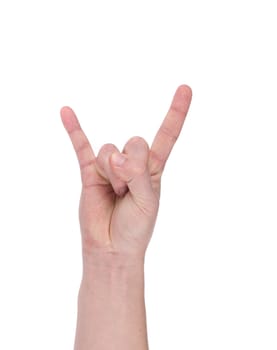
x=168, y=133
x=83, y=146
x=107, y=148
x=137, y=142
x=105, y=152
x=138, y=139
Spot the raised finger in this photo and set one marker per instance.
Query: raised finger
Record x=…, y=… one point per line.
x=170, y=129
x=81, y=145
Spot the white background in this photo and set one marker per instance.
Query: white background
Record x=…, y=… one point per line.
x=211, y=264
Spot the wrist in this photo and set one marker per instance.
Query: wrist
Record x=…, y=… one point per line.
x=106, y=258
x=111, y=306
x=112, y=272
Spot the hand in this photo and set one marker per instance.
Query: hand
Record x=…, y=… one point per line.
x=121, y=190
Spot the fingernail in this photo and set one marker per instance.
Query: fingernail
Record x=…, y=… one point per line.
x=118, y=159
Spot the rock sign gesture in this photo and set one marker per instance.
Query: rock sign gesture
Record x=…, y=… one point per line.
x=121, y=190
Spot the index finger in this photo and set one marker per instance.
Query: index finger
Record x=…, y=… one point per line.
x=170, y=129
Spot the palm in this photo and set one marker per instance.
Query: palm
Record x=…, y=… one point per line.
x=105, y=215
x=111, y=219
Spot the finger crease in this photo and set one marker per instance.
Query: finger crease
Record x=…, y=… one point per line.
x=87, y=164
x=83, y=146
x=166, y=132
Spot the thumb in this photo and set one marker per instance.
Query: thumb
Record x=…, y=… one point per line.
x=131, y=166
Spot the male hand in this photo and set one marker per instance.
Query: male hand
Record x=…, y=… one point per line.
x=121, y=190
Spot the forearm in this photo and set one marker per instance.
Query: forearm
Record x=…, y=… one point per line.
x=111, y=309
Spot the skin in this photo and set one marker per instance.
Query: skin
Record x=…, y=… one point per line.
x=118, y=210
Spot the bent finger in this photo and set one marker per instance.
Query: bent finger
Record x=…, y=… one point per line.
x=104, y=167
x=134, y=171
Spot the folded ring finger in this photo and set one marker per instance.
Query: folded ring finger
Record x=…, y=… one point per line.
x=103, y=166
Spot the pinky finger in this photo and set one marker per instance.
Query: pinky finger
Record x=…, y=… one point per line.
x=81, y=145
